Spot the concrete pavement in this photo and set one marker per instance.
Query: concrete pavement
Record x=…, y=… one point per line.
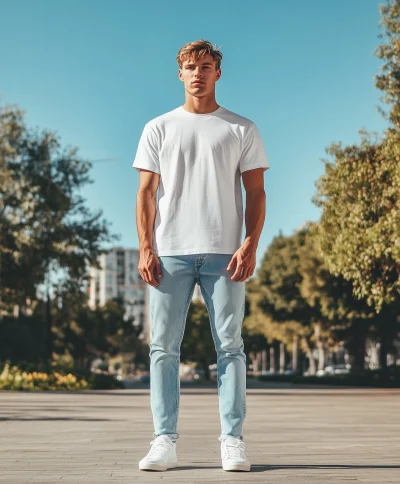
x=292, y=435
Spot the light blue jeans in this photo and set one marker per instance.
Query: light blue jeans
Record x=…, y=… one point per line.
x=169, y=305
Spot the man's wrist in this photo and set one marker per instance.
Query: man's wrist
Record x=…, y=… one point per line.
x=250, y=243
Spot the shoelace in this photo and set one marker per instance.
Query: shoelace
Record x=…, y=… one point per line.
x=235, y=450
x=159, y=447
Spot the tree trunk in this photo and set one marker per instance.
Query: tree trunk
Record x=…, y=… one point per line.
x=356, y=345
x=295, y=349
x=276, y=355
x=320, y=347
x=281, y=358
x=49, y=335
x=309, y=353
x=264, y=361
x=383, y=328
x=259, y=361
x=383, y=354
x=207, y=375
x=374, y=364
x=253, y=361
x=272, y=359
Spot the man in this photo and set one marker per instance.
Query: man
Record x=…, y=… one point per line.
x=195, y=156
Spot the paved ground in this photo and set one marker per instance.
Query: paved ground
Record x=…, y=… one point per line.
x=292, y=435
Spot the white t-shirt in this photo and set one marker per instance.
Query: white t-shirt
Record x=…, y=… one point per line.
x=200, y=158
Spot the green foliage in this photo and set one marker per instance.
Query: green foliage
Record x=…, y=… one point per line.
x=276, y=302
x=294, y=298
x=360, y=193
x=45, y=223
x=360, y=224
x=389, y=79
x=85, y=333
x=80, y=334
x=331, y=296
x=279, y=281
x=22, y=338
x=103, y=381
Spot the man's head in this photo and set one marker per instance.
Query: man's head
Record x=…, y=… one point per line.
x=199, y=61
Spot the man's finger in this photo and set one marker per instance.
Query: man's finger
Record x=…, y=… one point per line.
x=156, y=273
x=236, y=273
x=150, y=277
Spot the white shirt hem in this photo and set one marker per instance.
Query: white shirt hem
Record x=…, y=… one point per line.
x=200, y=250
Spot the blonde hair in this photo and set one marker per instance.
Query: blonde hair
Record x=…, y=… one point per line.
x=195, y=50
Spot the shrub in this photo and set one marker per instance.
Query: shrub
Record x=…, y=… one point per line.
x=12, y=378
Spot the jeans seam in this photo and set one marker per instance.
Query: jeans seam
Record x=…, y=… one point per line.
x=178, y=358
x=212, y=322
x=245, y=361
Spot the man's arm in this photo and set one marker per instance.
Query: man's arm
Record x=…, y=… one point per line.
x=146, y=203
x=244, y=259
x=146, y=207
x=253, y=181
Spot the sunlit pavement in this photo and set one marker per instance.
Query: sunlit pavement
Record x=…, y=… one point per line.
x=293, y=435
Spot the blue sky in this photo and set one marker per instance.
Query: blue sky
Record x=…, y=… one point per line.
x=96, y=71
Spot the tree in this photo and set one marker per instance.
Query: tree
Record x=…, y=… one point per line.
x=86, y=333
x=360, y=192
x=359, y=226
x=278, y=307
x=344, y=316
x=389, y=79
x=45, y=223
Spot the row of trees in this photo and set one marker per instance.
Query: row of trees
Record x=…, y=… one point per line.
x=47, y=233
x=339, y=279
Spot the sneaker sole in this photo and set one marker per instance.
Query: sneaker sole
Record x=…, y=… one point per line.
x=157, y=467
x=236, y=467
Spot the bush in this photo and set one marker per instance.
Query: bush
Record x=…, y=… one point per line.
x=103, y=381
x=12, y=378
x=32, y=377
x=389, y=378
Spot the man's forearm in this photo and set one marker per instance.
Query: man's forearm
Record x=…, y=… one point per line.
x=145, y=216
x=254, y=216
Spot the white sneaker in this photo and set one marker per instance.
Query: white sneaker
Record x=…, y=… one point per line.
x=233, y=455
x=162, y=455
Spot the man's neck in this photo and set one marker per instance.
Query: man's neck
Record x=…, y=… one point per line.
x=198, y=107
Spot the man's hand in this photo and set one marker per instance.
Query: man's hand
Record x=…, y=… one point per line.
x=149, y=267
x=245, y=260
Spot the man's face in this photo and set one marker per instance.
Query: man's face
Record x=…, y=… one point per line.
x=202, y=70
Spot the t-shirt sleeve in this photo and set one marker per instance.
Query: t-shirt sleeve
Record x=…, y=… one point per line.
x=253, y=152
x=147, y=151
